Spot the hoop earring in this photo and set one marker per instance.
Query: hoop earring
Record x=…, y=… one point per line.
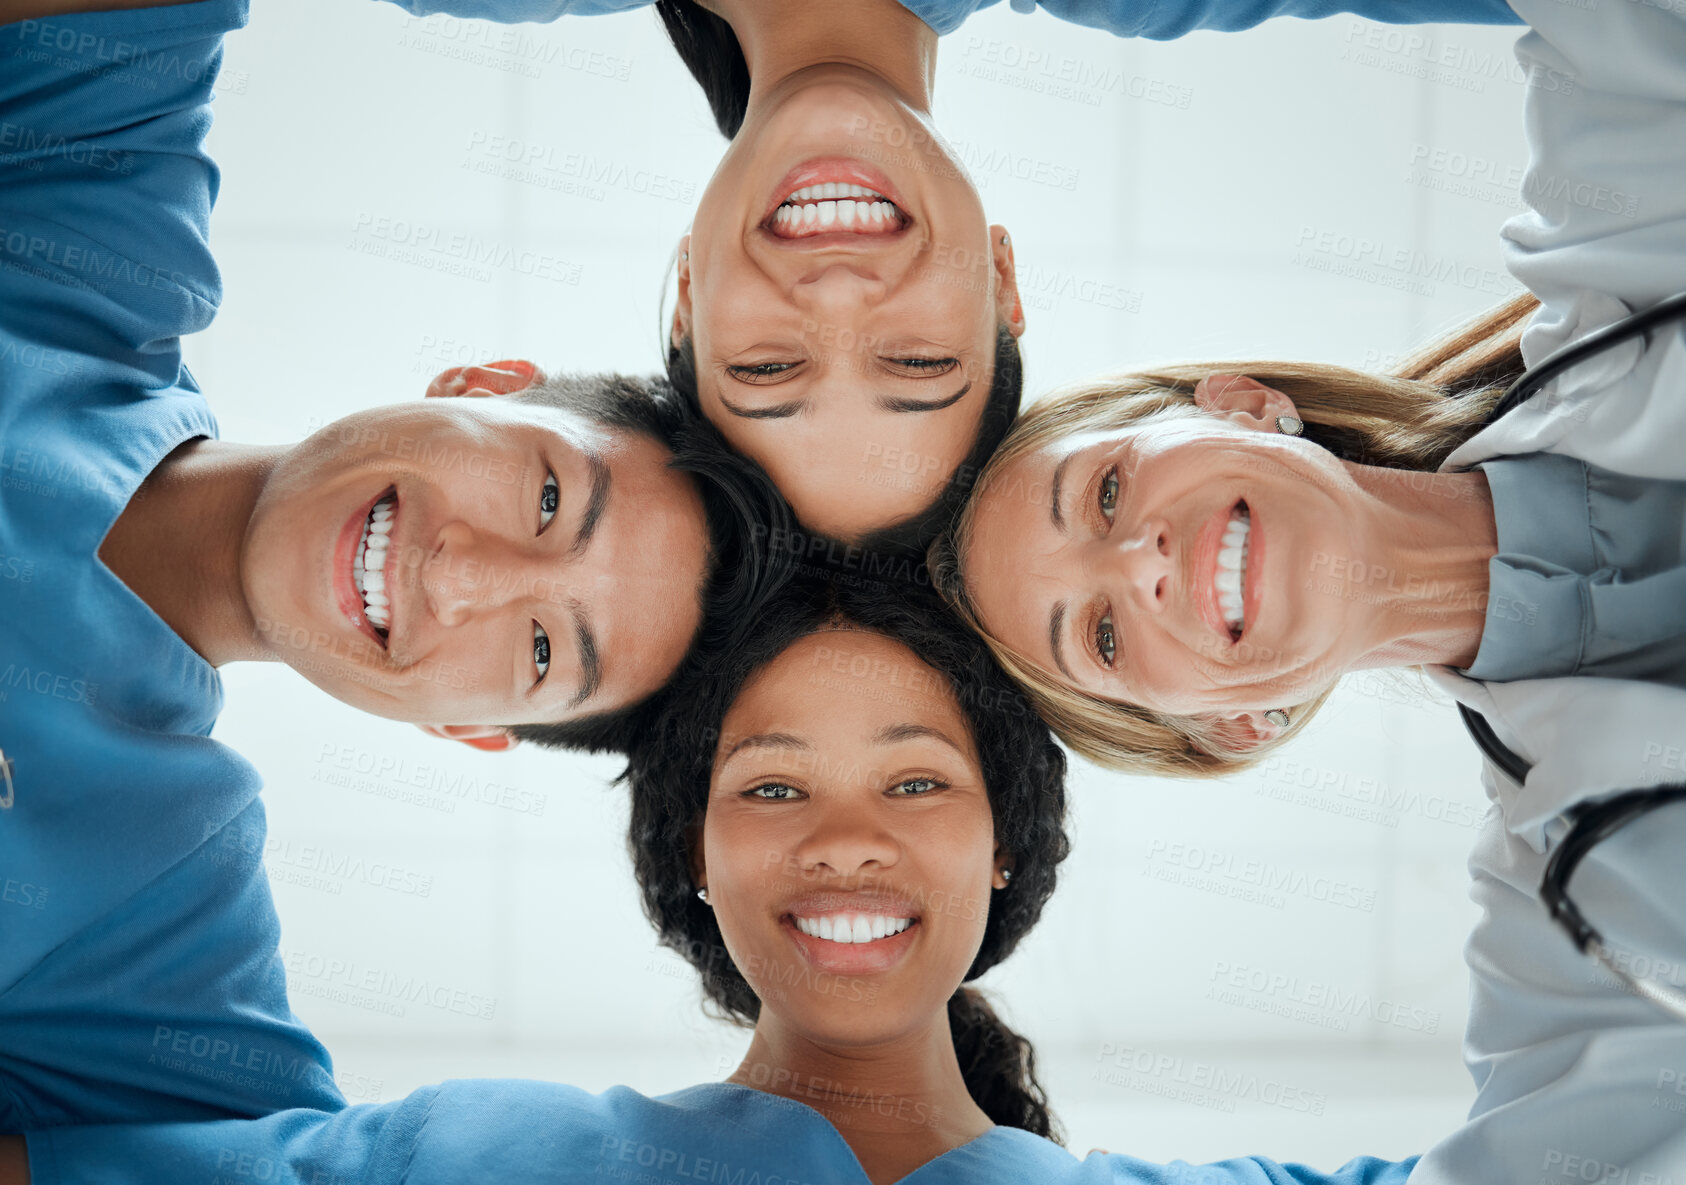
x=1278, y=717
x=1290, y=425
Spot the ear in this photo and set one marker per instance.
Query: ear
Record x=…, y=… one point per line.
x=682, y=307
x=1009, y=310
x=1244, y=730
x=494, y=378
x=1243, y=401
x=699, y=864
x=1003, y=864
x=488, y=737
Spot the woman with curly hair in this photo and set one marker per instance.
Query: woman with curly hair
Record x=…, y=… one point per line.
x=840, y=822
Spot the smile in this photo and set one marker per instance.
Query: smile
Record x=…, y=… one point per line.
x=835, y=207
x=1230, y=576
x=852, y=928
x=371, y=564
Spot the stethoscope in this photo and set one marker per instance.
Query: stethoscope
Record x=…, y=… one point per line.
x=1589, y=823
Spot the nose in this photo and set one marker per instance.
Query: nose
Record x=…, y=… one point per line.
x=1143, y=561
x=469, y=573
x=846, y=841
x=830, y=291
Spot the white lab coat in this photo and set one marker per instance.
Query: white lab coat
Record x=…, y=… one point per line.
x=1576, y=1078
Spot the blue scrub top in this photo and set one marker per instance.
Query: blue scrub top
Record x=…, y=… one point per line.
x=513, y=1132
x=138, y=971
x=1160, y=20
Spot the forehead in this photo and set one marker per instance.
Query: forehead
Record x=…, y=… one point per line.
x=847, y=684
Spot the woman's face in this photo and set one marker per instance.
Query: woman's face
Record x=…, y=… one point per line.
x=849, y=848
x=1097, y=558
x=847, y=346
x=541, y=566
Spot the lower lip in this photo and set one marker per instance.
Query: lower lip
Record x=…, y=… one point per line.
x=840, y=170
x=851, y=958
x=345, y=592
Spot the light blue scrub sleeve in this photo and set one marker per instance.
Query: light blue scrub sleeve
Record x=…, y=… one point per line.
x=1160, y=20
x=515, y=1132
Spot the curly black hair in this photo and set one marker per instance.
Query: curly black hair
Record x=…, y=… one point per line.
x=669, y=771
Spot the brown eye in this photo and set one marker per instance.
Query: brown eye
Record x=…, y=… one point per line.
x=761, y=372
x=549, y=499
x=1106, y=643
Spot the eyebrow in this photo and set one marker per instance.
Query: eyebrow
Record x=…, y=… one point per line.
x=1055, y=620
x=1054, y=496
x=591, y=664
x=892, y=734
x=595, y=505
x=896, y=403
x=767, y=740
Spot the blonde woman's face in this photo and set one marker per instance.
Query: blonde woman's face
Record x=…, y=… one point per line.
x=1097, y=558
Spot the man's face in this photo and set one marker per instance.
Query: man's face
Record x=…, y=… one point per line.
x=842, y=291
x=537, y=566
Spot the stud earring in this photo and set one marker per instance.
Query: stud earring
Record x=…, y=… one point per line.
x=1278, y=717
x=1007, y=875
x=1003, y=240
x=702, y=895
x=1289, y=425
x=685, y=255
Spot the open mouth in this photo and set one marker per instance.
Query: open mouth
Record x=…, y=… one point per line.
x=371, y=567
x=1229, y=579
x=835, y=207
x=851, y=929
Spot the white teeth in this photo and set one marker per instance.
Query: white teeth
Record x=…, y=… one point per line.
x=368, y=562
x=850, y=929
x=832, y=190
x=828, y=213
x=1230, y=578
x=846, y=213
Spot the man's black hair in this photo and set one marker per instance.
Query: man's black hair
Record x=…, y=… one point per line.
x=742, y=507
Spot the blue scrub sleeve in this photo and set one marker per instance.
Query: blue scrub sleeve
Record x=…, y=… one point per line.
x=368, y=1144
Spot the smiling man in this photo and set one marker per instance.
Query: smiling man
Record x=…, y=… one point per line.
x=517, y=554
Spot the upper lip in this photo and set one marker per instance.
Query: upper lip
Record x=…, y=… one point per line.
x=832, y=902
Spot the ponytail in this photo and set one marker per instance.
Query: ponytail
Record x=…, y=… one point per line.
x=710, y=51
x=999, y=1067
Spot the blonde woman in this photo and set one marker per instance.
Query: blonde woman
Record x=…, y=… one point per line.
x=1180, y=565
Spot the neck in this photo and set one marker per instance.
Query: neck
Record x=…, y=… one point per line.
x=178, y=542
x=898, y=1105
x=781, y=39
x=1427, y=578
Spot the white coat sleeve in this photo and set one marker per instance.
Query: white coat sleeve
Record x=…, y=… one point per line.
x=1577, y=1079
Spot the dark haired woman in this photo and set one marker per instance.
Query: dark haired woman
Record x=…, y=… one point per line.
x=847, y=316
x=839, y=824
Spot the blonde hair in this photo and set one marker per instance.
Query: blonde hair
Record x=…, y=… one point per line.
x=1413, y=418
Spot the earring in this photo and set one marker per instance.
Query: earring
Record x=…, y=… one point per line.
x=1289, y=425
x=702, y=895
x=1278, y=717
x=1003, y=240
x=1007, y=875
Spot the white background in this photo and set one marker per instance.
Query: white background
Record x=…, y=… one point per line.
x=1226, y=195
